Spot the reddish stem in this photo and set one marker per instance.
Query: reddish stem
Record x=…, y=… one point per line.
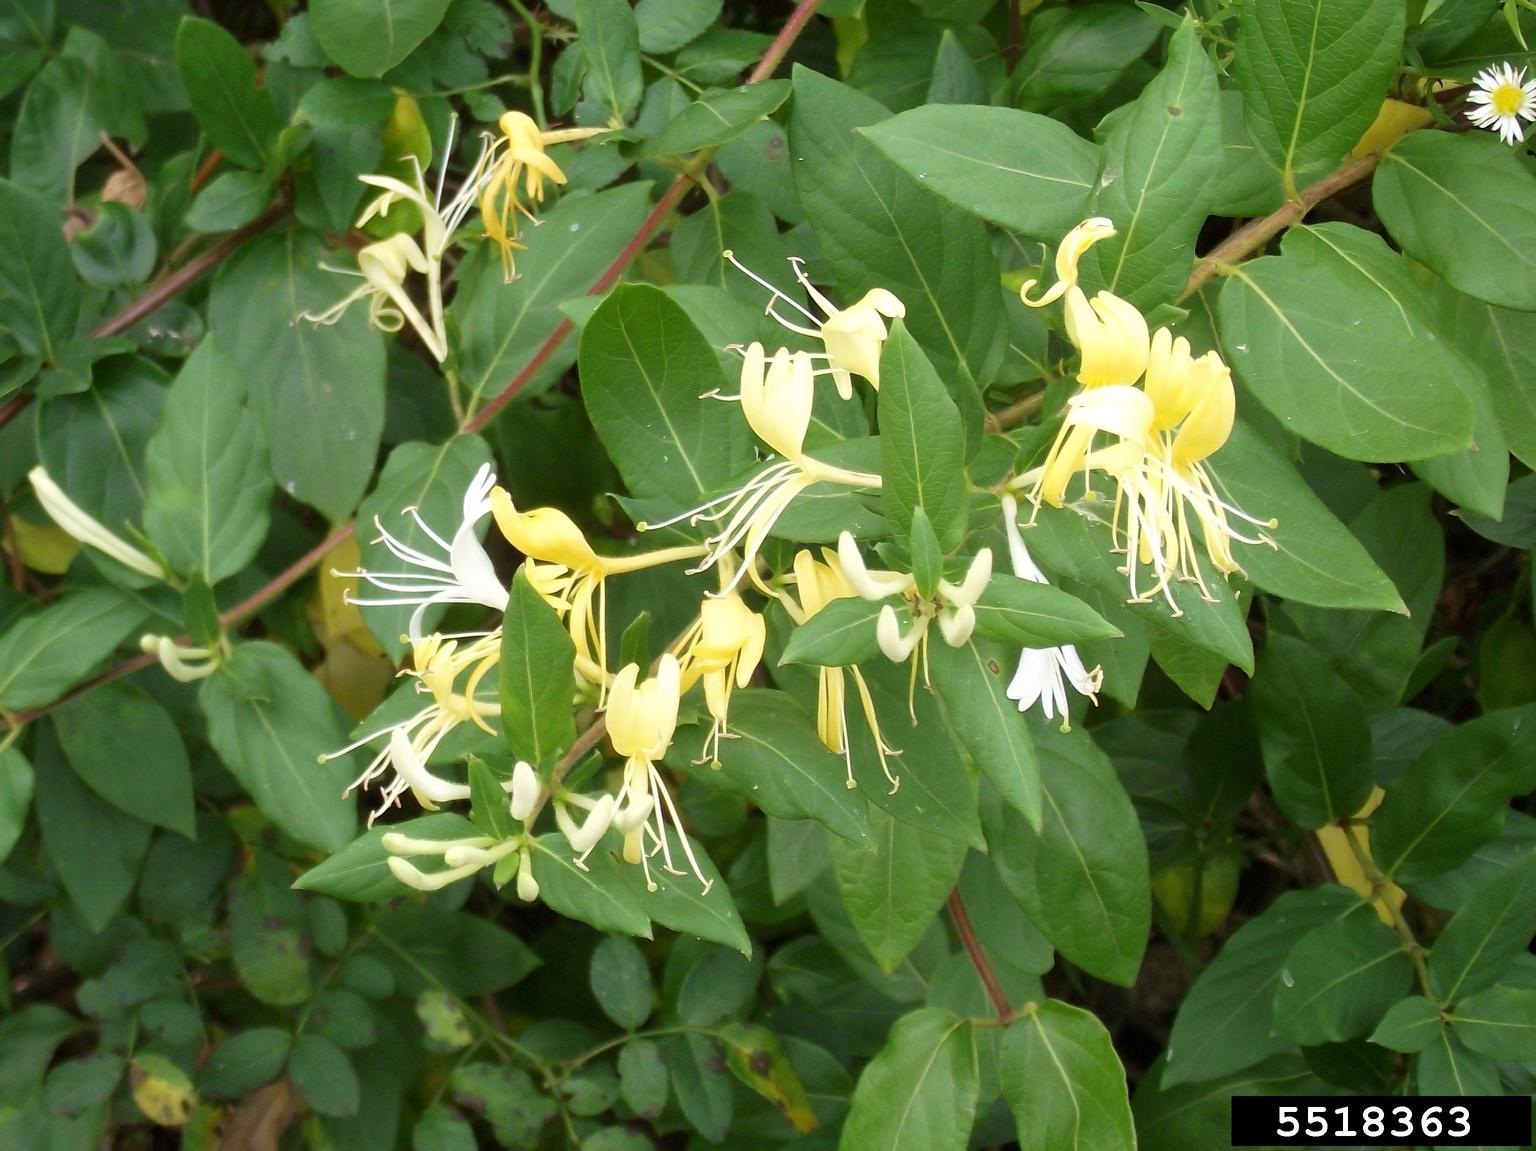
x=973, y=948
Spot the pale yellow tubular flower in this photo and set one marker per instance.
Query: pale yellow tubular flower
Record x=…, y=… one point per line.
x=776, y=397
x=818, y=583
x=438, y=666
x=515, y=176
x=564, y=569
x=183, y=664
x=723, y=651
x=851, y=337
x=1068, y=254
x=463, y=857
x=86, y=528
x=642, y=717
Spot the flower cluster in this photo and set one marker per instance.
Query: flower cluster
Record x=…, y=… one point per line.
x=1162, y=432
x=505, y=182
x=1152, y=441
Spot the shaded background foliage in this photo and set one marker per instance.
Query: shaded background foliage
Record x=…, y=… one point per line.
x=1199, y=912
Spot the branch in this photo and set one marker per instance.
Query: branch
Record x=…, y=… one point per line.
x=1256, y=233
x=1000, y=1002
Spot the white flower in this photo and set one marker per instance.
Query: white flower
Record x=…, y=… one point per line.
x=86, y=528
x=776, y=397
x=1044, y=672
x=953, y=607
x=463, y=574
x=464, y=857
x=1501, y=98
x=852, y=337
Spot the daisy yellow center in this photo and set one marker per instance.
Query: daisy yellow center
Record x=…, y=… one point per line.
x=1507, y=99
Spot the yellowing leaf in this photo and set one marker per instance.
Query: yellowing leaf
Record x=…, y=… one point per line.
x=1346, y=867
x=754, y=1056
x=355, y=672
x=1395, y=120
x=48, y=549
x=162, y=1090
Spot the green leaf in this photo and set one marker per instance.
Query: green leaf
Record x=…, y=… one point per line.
x=1488, y=930
x=536, y=660
x=323, y=1076
x=685, y=905
x=515, y=1109
x=94, y=848
x=1411, y=1025
x=754, y=1055
x=1313, y=732
x=244, y=1062
x=610, y=41
x=126, y=749
x=1076, y=54
x=16, y=780
x=431, y=948
x=1313, y=73
x=37, y=278
x=209, y=488
x=44, y=654
x=75, y=1087
x=230, y=201
x=269, y=719
x=666, y=25
x=1064, y=1081
x=643, y=367
x=1019, y=611
x=1477, y=478
x=1451, y=799
x=922, y=443
x=441, y=1128
x=1503, y=343
x=1327, y=339
x=349, y=119
x=717, y=117
x=894, y=885
x=240, y=118
x=598, y=893
x=431, y=480
x=318, y=390
x=920, y=1092
x=360, y=870
x=972, y=683
x=1082, y=879
x=643, y=1077
x=1315, y=559
x=840, y=634
x=1465, y=206
x=1340, y=978
x=503, y=326
x=369, y=39
x=92, y=443
x=1027, y=172
x=621, y=982
x=878, y=227
x=1499, y=1022
x=1158, y=180
x=777, y=761
x=702, y=1085
x=1445, y=1067
x=267, y=928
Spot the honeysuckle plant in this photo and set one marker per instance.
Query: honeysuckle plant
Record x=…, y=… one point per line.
x=968, y=586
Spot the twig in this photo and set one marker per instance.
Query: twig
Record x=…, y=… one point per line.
x=1256, y=233
x=979, y=960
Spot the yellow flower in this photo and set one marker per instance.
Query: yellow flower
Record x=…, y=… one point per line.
x=569, y=575
x=851, y=337
x=517, y=171
x=86, y=528
x=776, y=397
x=723, y=649
x=819, y=582
x=642, y=716
x=1109, y=332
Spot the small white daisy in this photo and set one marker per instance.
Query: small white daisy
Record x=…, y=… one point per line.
x=1501, y=99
